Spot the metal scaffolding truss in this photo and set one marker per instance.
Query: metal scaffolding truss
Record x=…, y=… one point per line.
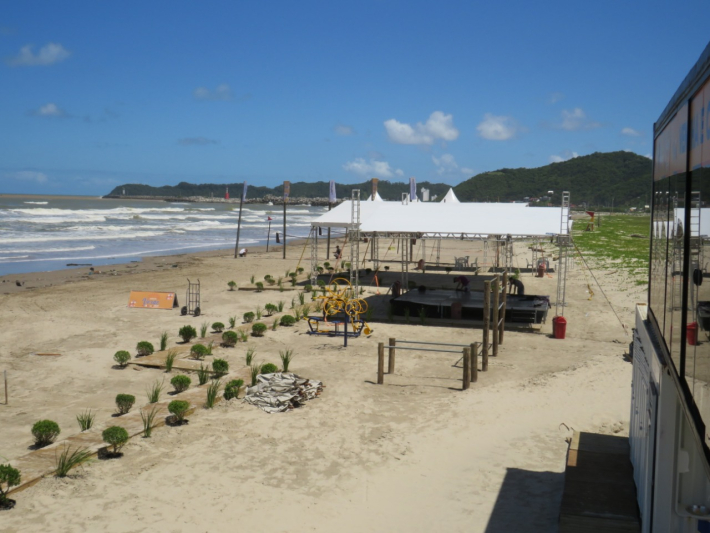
x=354, y=231
x=565, y=242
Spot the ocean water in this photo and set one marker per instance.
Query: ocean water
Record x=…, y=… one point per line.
x=41, y=233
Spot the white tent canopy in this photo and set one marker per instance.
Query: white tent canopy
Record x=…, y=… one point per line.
x=378, y=198
x=433, y=219
x=450, y=198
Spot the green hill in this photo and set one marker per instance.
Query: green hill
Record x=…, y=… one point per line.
x=594, y=179
x=387, y=190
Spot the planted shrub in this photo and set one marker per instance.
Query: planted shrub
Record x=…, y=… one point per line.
x=326, y=264
x=308, y=288
x=45, y=431
x=249, y=317
x=10, y=477
x=268, y=368
x=144, y=348
x=288, y=320
x=232, y=285
x=124, y=402
x=180, y=382
x=269, y=279
x=115, y=436
x=122, y=357
x=251, y=279
x=232, y=321
x=218, y=327
x=231, y=389
x=258, y=329
x=300, y=270
x=220, y=367
x=198, y=351
x=187, y=333
x=259, y=286
x=229, y=338
x=85, y=419
x=270, y=309
x=179, y=408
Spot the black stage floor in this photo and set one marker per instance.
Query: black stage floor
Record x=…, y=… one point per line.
x=528, y=309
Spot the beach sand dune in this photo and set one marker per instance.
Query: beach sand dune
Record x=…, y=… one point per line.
x=416, y=454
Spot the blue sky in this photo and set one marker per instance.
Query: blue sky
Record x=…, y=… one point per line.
x=96, y=94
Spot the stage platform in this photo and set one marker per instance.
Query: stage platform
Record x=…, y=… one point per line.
x=437, y=303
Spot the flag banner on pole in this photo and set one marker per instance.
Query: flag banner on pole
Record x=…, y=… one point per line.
x=287, y=190
x=244, y=191
x=412, y=189
x=269, y=218
x=375, y=181
x=331, y=195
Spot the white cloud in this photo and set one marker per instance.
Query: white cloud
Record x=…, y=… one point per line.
x=564, y=156
x=555, y=97
x=576, y=120
x=27, y=175
x=223, y=92
x=497, y=128
x=49, y=110
x=446, y=164
x=49, y=54
x=630, y=132
x=196, y=141
x=438, y=126
x=344, y=130
x=380, y=169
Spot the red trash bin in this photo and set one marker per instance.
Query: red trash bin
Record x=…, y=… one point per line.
x=541, y=270
x=559, y=327
x=691, y=333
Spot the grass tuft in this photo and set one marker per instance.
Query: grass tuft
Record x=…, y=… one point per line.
x=255, y=371
x=203, y=374
x=212, y=393
x=148, y=417
x=163, y=341
x=170, y=360
x=86, y=419
x=250, y=355
x=232, y=321
x=69, y=459
x=286, y=358
x=154, y=391
x=203, y=330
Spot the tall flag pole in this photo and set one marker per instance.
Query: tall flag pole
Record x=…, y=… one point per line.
x=331, y=200
x=287, y=192
x=239, y=221
x=268, y=234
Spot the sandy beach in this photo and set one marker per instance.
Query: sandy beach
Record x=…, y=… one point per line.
x=415, y=454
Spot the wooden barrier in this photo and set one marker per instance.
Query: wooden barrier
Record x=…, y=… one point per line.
x=486, y=321
x=501, y=327
x=390, y=362
x=496, y=313
x=381, y=363
x=466, y=373
x=474, y=362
